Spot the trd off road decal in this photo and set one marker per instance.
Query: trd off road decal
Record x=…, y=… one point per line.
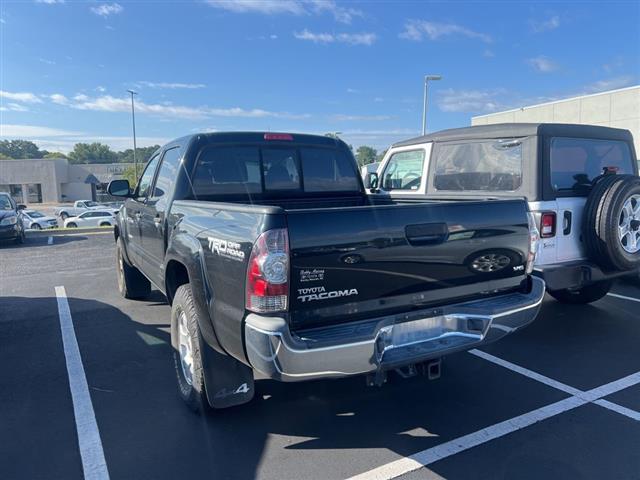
x=225, y=248
x=319, y=293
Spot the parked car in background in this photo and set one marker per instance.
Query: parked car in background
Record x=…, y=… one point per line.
x=91, y=218
x=581, y=182
x=81, y=206
x=11, y=226
x=35, y=220
x=276, y=261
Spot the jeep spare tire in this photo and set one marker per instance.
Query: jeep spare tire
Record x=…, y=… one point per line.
x=611, y=229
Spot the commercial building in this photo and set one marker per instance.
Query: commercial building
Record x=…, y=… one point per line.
x=54, y=180
x=615, y=108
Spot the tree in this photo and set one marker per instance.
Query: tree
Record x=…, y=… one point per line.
x=129, y=173
x=366, y=155
x=143, y=154
x=20, y=149
x=92, y=153
x=381, y=155
x=5, y=157
x=55, y=155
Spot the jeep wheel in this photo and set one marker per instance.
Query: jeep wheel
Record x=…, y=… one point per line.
x=131, y=283
x=187, y=359
x=587, y=294
x=611, y=229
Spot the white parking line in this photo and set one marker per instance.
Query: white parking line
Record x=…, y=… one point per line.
x=623, y=297
x=452, y=447
x=595, y=394
x=94, y=464
x=50, y=241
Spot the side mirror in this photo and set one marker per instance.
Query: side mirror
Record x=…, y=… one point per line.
x=21, y=206
x=371, y=180
x=119, y=188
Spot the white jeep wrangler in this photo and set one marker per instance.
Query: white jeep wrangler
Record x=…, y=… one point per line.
x=581, y=182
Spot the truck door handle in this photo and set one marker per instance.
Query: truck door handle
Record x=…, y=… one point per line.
x=427, y=233
x=566, y=230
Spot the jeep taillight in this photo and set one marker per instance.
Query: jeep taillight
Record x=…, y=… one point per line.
x=268, y=273
x=534, y=238
x=547, y=224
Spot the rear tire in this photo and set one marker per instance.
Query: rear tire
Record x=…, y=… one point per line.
x=36, y=226
x=131, y=283
x=105, y=224
x=580, y=296
x=187, y=357
x=72, y=225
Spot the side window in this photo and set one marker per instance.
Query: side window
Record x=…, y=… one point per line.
x=87, y=215
x=577, y=162
x=404, y=171
x=144, y=184
x=167, y=173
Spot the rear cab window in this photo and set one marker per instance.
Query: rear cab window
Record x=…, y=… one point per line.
x=273, y=170
x=576, y=163
x=493, y=165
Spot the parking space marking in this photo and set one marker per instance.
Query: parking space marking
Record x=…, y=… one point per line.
x=460, y=444
x=50, y=241
x=623, y=297
x=591, y=396
x=94, y=464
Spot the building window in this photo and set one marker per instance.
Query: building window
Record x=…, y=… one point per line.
x=34, y=193
x=14, y=190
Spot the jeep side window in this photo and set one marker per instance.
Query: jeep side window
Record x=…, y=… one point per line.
x=147, y=177
x=577, y=162
x=404, y=171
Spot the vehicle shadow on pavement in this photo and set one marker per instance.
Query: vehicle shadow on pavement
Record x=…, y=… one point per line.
x=325, y=429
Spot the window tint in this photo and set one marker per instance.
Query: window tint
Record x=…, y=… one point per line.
x=147, y=177
x=280, y=169
x=5, y=203
x=86, y=215
x=493, y=165
x=404, y=171
x=576, y=162
x=227, y=170
x=326, y=170
x=167, y=173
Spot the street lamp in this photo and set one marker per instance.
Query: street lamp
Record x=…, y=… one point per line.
x=133, y=118
x=424, y=108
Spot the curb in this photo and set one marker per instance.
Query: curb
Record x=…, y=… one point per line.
x=67, y=231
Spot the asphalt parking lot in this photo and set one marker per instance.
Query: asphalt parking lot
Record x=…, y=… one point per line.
x=559, y=399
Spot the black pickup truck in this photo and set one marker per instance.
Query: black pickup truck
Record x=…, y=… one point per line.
x=275, y=261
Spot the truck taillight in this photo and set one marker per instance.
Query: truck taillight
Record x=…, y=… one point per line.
x=547, y=224
x=268, y=273
x=534, y=238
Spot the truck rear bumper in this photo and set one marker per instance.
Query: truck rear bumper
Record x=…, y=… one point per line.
x=386, y=342
x=575, y=274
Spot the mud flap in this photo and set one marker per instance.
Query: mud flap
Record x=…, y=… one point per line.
x=228, y=382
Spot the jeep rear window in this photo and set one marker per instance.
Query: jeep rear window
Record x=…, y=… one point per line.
x=577, y=162
x=238, y=170
x=492, y=165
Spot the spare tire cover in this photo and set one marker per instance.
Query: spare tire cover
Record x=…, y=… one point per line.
x=611, y=229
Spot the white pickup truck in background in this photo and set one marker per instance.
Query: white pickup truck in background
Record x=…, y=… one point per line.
x=581, y=183
x=81, y=206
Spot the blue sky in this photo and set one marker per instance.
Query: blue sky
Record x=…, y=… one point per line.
x=297, y=65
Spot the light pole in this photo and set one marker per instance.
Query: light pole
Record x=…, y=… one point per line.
x=424, y=108
x=133, y=119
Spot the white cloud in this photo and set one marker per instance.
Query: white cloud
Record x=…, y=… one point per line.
x=542, y=64
x=59, y=99
x=294, y=7
x=172, y=85
x=488, y=53
x=50, y=2
x=30, y=131
x=25, y=97
x=108, y=103
x=539, y=26
x=46, y=61
x=15, y=107
x=339, y=117
x=417, y=30
x=353, y=90
x=106, y=9
x=348, y=38
x=475, y=101
x=609, y=84
x=100, y=89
